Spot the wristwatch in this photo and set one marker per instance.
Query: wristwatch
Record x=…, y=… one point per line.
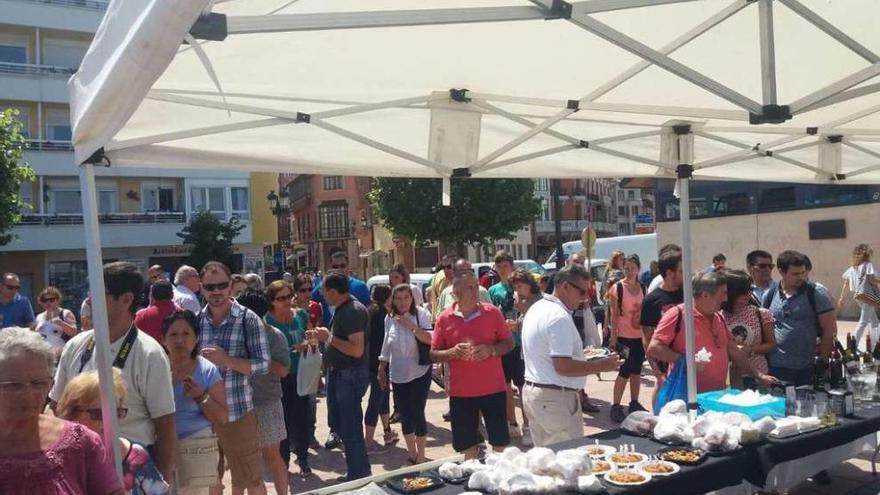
x=204, y=399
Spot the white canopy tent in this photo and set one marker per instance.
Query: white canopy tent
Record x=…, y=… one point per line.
x=772, y=90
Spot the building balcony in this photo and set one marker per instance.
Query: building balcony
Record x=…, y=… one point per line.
x=36, y=70
x=104, y=218
x=31, y=82
x=547, y=226
x=69, y=15
x=37, y=145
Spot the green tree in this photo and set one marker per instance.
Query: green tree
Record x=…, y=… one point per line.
x=210, y=238
x=13, y=172
x=482, y=210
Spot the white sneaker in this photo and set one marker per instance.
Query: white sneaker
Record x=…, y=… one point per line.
x=513, y=430
x=526, y=439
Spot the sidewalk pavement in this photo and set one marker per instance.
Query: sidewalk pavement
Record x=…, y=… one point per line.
x=850, y=478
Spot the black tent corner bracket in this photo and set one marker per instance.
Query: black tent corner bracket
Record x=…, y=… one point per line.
x=211, y=27
x=461, y=173
x=459, y=95
x=684, y=171
x=771, y=114
x=304, y=118
x=559, y=10
x=836, y=138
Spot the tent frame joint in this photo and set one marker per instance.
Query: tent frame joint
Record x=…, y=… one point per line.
x=459, y=95
x=812, y=131
x=211, y=27
x=98, y=158
x=583, y=143
x=573, y=105
x=303, y=118
x=836, y=138
x=771, y=114
x=462, y=172
x=559, y=10
x=681, y=130
x=684, y=171
x=840, y=177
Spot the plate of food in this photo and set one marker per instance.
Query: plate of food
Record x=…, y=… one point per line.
x=627, y=477
x=415, y=483
x=658, y=467
x=683, y=456
x=626, y=458
x=599, y=466
x=599, y=451
x=592, y=353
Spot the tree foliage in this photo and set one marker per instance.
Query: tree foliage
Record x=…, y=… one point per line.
x=210, y=238
x=13, y=172
x=482, y=210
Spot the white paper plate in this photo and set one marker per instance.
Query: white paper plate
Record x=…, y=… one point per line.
x=674, y=466
x=606, y=449
x=642, y=457
x=608, y=479
x=600, y=473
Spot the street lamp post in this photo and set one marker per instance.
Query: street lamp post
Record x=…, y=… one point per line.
x=279, y=205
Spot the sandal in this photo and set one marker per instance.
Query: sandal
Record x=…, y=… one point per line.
x=390, y=437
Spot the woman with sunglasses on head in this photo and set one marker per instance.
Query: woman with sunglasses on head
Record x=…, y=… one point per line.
x=81, y=403
x=297, y=408
x=200, y=403
x=400, y=275
x=55, y=323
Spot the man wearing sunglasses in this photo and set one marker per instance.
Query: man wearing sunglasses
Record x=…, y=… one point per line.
x=150, y=396
x=357, y=287
x=760, y=266
x=232, y=337
x=556, y=369
x=15, y=309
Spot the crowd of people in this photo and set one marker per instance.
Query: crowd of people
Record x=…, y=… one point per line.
x=215, y=371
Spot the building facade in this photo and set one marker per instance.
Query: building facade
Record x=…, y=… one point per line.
x=141, y=210
x=583, y=202
x=635, y=210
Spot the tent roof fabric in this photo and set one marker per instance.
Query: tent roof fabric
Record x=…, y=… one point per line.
x=553, y=88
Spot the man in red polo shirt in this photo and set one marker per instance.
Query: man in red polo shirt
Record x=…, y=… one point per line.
x=149, y=319
x=471, y=336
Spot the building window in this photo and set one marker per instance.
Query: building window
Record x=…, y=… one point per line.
x=545, y=210
x=240, y=203
x=777, y=198
x=332, y=182
x=631, y=194
x=58, y=125
x=69, y=201
x=26, y=191
x=24, y=116
x=542, y=185
x=333, y=221
x=60, y=53
x=12, y=52
x=211, y=199
x=621, y=211
x=155, y=197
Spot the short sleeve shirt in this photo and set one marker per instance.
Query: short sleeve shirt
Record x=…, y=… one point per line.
x=710, y=333
x=854, y=274
x=501, y=295
x=267, y=387
x=549, y=332
x=399, y=347
x=147, y=374
x=656, y=303
x=350, y=317
x=189, y=418
x=796, y=327
x=486, y=326
x=18, y=312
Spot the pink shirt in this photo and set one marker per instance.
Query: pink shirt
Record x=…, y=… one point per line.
x=711, y=333
x=484, y=327
x=76, y=465
x=627, y=325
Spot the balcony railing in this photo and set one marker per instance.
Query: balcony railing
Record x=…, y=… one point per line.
x=100, y=5
x=103, y=218
x=36, y=145
x=36, y=70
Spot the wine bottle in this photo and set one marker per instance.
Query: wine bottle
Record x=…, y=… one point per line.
x=876, y=351
x=836, y=378
x=867, y=358
x=820, y=373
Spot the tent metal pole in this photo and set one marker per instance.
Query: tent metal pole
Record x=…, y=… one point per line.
x=593, y=6
x=388, y=18
x=849, y=118
x=687, y=286
x=802, y=165
x=768, y=52
x=102, y=357
x=529, y=156
x=677, y=43
x=829, y=29
x=844, y=96
x=635, y=47
x=849, y=131
x=534, y=131
x=861, y=148
x=757, y=149
x=835, y=88
x=191, y=133
x=862, y=171
x=557, y=222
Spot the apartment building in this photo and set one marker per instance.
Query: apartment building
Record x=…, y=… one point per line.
x=635, y=210
x=141, y=209
x=583, y=202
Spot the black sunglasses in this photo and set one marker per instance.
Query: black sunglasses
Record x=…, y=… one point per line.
x=213, y=287
x=339, y=267
x=288, y=297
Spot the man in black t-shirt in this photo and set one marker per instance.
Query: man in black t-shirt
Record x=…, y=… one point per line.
x=668, y=295
x=346, y=359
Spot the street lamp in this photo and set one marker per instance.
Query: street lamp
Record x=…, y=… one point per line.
x=279, y=204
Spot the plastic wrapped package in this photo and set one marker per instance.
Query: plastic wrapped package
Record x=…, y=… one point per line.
x=672, y=429
x=480, y=480
x=677, y=406
x=540, y=459
x=511, y=453
x=765, y=425
x=730, y=443
x=734, y=418
x=450, y=470
x=589, y=484
x=749, y=434
x=581, y=457
x=472, y=466
x=518, y=483
x=640, y=422
x=545, y=484
x=700, y=443
x=716, y=435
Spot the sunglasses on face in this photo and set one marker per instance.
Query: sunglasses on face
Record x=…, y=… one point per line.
x=48, y=299
x=98, y=415
x=12, y=287
x=216, y=287
x=765, y=266
x=285, y=297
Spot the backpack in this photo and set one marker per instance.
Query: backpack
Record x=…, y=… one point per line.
x=620, y=296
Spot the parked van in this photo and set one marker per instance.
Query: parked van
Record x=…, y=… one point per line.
x=530, y=266
x=644, y=245
x=420, y=280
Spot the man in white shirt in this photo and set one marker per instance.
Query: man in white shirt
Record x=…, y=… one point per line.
x=149, y=394
x=556, y=369
x=187, y=283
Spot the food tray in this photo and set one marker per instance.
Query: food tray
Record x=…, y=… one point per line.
x=646, y=478
x=398, y=483
x=451, y=481
x=594, y=353
x=699, y=452
x=709, y=401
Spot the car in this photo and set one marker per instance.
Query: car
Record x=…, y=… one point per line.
x=531, y=266
x=420, y=280
x=644, y=245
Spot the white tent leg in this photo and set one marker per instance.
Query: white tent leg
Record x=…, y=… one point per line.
x=99, y=310
x=685, y=215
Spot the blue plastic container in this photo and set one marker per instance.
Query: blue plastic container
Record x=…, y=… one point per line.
x=708, y=401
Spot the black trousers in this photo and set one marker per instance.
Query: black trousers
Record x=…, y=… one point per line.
x=411, y=399
x=299, y=420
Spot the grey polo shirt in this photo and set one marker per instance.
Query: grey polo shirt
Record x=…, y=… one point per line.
x=796, y=327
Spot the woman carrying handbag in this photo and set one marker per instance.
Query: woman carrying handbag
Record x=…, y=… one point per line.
x=860, y=279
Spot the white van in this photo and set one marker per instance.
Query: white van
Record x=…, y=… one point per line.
x=420, y=280
x=530, y=266
x=644, y=245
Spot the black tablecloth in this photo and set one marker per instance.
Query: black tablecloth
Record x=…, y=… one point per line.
x=762, y=458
